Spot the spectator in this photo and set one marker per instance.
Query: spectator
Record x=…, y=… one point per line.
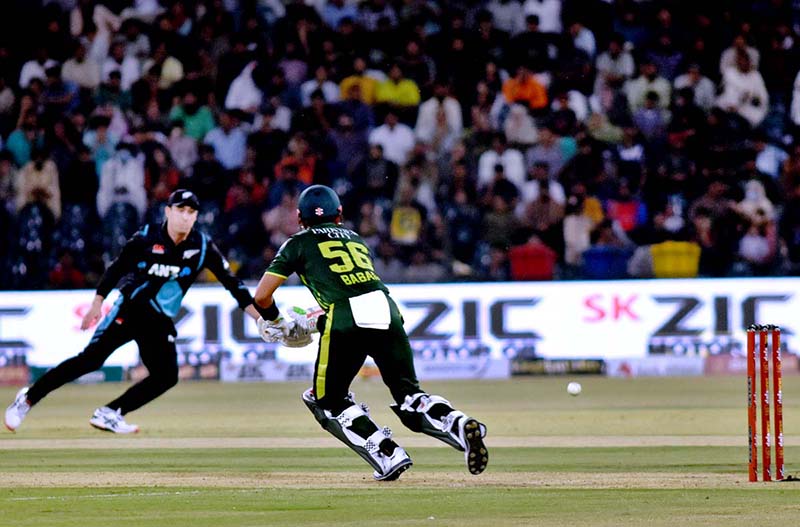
x=429, y=110
x=649, y=81
x=583, y=38
x=266, y=144
x=730, y=57
x=38, y=183
x=243, y=93
x=281, y=221
x=614, y=66
x=81, y=70
x=367, y=86
x=395, y=138
x=357, y=109
x=182, y=148
x=744, y=92
x=519, y=127
x=196, y=117
x=229, y=140
x=523, y=88
x=301, y=157
x=36, y=67
x=398, y=92
x=207, y=178
x=548, y=11
x=329, y=89
x=122, y=181
x=703, y=89
x=500, y=154
x=387, y=265
x=128, y=67
x=551, y=149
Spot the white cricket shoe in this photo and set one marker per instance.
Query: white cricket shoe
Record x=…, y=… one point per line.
x=393, y=465
x=17, y=411
x=111, y=421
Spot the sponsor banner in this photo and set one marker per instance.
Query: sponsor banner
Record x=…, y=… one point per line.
x=655, y=367
x=737, y=365
x=433, y=369
x=557, y=367
x=265, y=371
x=553, y=320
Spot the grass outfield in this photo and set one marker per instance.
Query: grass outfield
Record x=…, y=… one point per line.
x=624, y=452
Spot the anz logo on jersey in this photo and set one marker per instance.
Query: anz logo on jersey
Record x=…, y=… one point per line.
x=164, y=271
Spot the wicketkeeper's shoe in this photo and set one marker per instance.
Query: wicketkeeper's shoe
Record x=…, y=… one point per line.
x=111, y=421
x=17, y=411
x=475, y=452
x=394, y=465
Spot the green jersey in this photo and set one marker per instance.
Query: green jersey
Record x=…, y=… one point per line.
x=333, y=262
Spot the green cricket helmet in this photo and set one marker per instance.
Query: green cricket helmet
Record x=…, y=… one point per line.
x=318, y=204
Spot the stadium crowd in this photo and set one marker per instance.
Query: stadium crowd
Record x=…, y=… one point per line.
x=469, y=139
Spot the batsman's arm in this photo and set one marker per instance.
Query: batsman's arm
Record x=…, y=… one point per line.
x=264, y=301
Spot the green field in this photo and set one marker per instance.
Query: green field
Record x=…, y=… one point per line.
x=624, y=452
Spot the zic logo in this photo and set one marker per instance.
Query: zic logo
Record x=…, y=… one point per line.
x=164, y=271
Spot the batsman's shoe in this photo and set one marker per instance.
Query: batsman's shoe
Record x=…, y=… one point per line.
x=393, y=465
x=17, y=410
x=475, y=452
x=111, y=421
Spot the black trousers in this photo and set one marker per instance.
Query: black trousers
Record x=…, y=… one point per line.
x=155, y=336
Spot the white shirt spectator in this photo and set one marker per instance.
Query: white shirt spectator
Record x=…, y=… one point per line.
x=329, y=89
x=549, y=13
x=85, y=74
x=426, y=118
x=396, y=141
x=728, y=58
x=34, y=70
x=122, y=181
x=529, y=192
x=129, y=71
x=506, y=15
x=585, y=40
x=513, y=166
x=243, y=93
x=230, y=148
x=577, y=102
x=622, y=65
x=637, y=89
x=745, y=93
x=704, y=89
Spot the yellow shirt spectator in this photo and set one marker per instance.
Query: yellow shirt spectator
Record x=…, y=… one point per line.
x=366, y=85
x=397, y=90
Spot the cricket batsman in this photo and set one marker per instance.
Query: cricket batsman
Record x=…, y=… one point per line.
x=360, y=319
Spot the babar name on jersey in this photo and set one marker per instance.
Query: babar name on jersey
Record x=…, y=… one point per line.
x=359, y=277
x=164, y=271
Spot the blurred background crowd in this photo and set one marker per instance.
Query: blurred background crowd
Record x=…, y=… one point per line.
x=469, y=139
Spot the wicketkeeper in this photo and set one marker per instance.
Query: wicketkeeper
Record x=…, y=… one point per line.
x=360, y=319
